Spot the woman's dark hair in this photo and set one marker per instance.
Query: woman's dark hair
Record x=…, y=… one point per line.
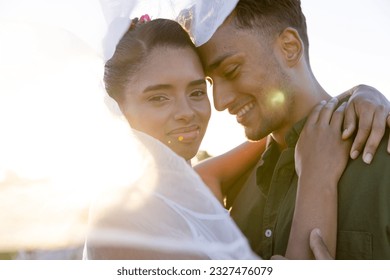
x=134, y=48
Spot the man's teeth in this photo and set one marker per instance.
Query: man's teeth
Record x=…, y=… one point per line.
x=245, y=110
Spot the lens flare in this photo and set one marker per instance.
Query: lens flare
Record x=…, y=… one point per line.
x=61, y=147
x=277, y=99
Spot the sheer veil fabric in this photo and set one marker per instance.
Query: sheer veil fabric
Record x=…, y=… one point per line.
x=70, y=165
x=166, y=213
x=200, y=18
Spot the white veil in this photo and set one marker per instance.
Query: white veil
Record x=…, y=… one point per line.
x=200, y=18
x=62, y=149
x=167, y=213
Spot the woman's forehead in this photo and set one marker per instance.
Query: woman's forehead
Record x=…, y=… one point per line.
x=177, y=67
x=164, y=60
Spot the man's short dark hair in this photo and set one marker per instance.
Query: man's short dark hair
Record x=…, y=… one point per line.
x=272, y=16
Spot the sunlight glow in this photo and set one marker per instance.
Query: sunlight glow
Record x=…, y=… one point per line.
x=61, y=147
x=277, y=99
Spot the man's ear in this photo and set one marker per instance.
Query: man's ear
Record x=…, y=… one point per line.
x=291, y=46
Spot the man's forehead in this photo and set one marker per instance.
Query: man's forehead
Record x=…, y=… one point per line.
x=219, y=46
x=220, y=37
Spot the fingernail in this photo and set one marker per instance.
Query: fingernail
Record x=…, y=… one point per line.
x=334, y=99
x=367, y=158
x=323, y=102
x=345, y=132
x=354, y=154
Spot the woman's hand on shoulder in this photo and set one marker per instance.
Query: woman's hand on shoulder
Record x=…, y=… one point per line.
x=367, y=114
x=321, y=153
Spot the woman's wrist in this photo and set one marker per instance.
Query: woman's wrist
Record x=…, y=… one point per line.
x=310, y=180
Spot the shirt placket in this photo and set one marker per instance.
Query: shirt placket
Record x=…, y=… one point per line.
x=280, y=183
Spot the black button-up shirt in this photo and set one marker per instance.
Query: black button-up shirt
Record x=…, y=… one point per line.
x=264, y=208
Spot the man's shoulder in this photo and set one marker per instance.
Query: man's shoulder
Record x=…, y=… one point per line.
x=358, y=175
x=363, y=204
x=381, y=159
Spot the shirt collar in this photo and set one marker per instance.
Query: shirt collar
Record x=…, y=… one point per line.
x=272, y=154
x=292, y=135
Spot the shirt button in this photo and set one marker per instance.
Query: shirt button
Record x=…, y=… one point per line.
x=268, y=233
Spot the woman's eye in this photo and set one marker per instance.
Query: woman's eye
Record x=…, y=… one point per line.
x=198, y=93
x=157, y=98
x=231, y=71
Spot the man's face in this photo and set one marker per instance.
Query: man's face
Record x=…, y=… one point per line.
x=249, y=79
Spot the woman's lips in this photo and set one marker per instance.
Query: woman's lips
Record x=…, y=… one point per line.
x=185, y=134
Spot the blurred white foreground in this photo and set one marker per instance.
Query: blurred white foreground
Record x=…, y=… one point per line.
x=62, y=149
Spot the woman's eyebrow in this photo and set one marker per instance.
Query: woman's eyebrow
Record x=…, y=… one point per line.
x=157, y=87
x=168, y=86
x=197, y=82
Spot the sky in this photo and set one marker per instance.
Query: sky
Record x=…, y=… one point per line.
x=349, y=43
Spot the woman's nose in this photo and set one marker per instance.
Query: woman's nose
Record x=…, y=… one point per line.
x=184, y=111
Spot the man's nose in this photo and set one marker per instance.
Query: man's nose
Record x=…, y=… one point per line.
x=223, y=96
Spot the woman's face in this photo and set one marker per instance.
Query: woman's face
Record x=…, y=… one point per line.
x=167, y=99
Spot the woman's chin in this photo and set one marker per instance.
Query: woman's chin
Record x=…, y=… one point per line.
x=188, y=153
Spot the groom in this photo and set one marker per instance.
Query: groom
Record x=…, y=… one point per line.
x=259, y=62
